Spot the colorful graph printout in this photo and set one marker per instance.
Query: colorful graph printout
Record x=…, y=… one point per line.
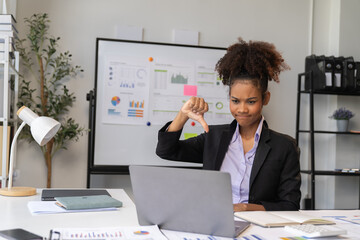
x=128, y=88
x=174, y=82
x=144, y=92
x=117, y=233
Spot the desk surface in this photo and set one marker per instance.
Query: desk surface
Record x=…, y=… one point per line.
x=338, y=216
x=14, y=213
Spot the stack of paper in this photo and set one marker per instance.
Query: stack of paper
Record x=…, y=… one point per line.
x=7, y=28
x=49, y=207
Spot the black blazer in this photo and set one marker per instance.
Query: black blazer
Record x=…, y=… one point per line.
x=275, y=176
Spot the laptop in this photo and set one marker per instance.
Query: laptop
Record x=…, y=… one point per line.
x=187, y=200
x=50, y=194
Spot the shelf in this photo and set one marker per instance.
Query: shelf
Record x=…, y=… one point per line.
x=311, y=172
x=11, y=67
x=331, y=93
x=329, y=132
x=8, y=68
x=11, y=120
x=333, y=173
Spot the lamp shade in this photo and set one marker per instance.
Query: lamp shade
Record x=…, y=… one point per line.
x=42, y=128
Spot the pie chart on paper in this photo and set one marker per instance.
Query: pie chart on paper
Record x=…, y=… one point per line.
x=115, y=100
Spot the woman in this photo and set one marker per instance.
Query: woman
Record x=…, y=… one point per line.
x=263, y=164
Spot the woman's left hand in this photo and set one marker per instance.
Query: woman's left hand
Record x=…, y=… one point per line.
x=239, y=207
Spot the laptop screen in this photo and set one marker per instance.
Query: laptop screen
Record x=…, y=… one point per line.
x=186, y=200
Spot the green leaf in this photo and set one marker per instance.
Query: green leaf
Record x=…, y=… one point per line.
x=40, y=48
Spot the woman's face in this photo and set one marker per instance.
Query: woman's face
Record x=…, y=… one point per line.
x=246, y=103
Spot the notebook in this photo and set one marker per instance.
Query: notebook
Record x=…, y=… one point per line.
x=50, y=194
x=281, y=218
x=188, y=200
x=88, y=202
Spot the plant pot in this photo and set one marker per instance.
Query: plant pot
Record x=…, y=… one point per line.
x=342, y=125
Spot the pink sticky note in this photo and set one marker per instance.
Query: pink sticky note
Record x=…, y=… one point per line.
x=190, y=90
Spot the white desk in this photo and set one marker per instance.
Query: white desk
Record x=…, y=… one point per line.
x=275, y=233
x=14, y=213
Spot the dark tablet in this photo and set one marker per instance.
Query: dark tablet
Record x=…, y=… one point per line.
x=50, y=194
x=19, y=234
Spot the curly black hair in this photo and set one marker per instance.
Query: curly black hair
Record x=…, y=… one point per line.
x=256, y=61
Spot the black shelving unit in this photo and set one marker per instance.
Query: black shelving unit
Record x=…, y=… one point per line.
x=312, y=172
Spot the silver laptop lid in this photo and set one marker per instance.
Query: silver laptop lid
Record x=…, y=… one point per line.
x=186, y=200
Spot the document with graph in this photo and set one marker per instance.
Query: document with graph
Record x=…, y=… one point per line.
x=114, y=233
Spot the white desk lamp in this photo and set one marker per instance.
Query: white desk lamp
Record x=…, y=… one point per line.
x=42, y=129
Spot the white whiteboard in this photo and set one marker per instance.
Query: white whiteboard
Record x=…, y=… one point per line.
x=126, y=144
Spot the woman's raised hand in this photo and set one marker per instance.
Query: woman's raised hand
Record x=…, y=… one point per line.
x=195, y=108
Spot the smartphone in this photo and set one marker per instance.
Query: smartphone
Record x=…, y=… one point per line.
x=19, y=234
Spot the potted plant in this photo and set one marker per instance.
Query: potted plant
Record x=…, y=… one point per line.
x=342, y=115
x=48, y=95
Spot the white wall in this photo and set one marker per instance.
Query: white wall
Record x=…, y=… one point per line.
x=347, y=147
x=335, y=33
x=325, y=42
x=286, y=23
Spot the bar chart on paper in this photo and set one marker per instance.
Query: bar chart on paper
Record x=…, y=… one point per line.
x=121, y=233
x=136, y=104
x=136, y=109
x=189, y=236
x=175, y=235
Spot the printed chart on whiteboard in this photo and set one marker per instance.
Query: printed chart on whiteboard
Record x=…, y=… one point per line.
x=126, y=92
x=153, y=90
x=175, y=82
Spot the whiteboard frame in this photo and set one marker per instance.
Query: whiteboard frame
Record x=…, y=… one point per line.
x=94, y=168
